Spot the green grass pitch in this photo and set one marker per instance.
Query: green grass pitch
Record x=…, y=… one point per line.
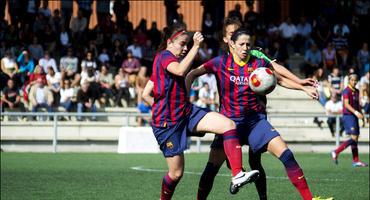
x=138, y=176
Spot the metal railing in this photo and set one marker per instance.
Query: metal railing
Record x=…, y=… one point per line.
x=128, y=116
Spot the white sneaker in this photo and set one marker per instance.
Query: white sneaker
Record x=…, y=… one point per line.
x=241, y=179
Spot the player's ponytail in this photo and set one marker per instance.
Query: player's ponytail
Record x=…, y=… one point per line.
x=169, y=34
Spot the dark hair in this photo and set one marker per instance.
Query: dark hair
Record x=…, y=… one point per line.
x=230, y=21
x=169, y=32
x=237, y=33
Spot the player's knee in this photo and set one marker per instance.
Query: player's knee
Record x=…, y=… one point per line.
x=176, y=175
x=229, y=125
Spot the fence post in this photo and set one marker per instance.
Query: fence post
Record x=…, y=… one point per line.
x=55, y=138
x=337, y=128
x=198, y=144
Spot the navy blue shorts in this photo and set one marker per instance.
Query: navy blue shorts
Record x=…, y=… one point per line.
x=350, y=123
x=173, y=140
x=254, y=130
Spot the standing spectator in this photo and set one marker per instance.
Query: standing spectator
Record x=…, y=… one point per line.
x=208, y=26
x=68, y=68
x=131, y=66
x=54, y=83
x=122, y=86
x=85, y=7
x=288, y=32
x=56, y=21
x=334, y=107
x=329, y=57
x=26, y=66
x=251, y=18
x=121, y=9
x=35, y=49
x=102, y=10
x=66, y=95
x=78, y=26
x=363, y=59
x=47, y=62
x=106, y=82
x=31, y=11
x=67, y=10
x=236, y=13
x=10, y=97
x=154, y=34
x=171, y=11
x=9, y=68
x=312, y=60
x=40, y=96
x=206, y=98
x=135, y=49
x=85, y=101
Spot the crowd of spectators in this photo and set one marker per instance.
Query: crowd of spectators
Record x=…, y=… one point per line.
x=51, y=59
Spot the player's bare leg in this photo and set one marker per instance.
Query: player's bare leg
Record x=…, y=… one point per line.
x=175, y=172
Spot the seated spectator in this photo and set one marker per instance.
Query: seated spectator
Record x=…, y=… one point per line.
x=135, y=49
x=323, y=86
x=288, y=32
x=10, y=97
x=37, y=73
x=9, y=68
x=122, y=85
x=141, y=81
x=85, y=101
x=26, y=66
x=365, y=98
x=280, y=53
x=104, y=57
x=54, y=83
x=88, y=62
x=68, y=68
x=312, y=60
x=336, y=81
x=210, y=79
x=40, y=96
x=46, y=62
x=131, y=66
x=66, y=95
x=363, y=58
x=92, y=76
x=206, y=97
x=329, y=56
x=148, y=54
x=334, y=107
x=35, y=49
x=304, y=30
x=106, y=82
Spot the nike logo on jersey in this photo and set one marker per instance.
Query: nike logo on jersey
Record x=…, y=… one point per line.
x=230, y=69
x=299, y=178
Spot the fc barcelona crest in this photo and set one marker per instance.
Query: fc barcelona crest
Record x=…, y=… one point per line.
x=169, y=145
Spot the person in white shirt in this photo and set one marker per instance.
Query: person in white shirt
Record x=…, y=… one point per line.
x=66, y=94
x=210, y=79
x=68, y=68
x=288, y=31
x=46, y=62
x=54, y=82
x=136, y=49
x=103, y=56
x=206, y=97
x=334, y=107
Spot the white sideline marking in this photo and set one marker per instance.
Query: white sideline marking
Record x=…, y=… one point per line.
x=143, y=169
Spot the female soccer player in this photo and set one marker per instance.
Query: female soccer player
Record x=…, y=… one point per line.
x=351, y=114
x=174, y=118
x=242, y=105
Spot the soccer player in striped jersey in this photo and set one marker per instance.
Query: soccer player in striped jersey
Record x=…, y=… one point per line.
x=351, y=114
x=241, y=104
x=175, y=118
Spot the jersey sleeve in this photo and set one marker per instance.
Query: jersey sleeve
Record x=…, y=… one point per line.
x=167, y=59
x=345, y=94
x=213, y=65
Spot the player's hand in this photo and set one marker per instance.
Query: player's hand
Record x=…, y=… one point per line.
x=308, y=82
x=198, y=38
x=312, y=92
x=359, y=115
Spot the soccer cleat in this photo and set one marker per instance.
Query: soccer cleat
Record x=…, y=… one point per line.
x=241, y=179
x=359, y=164
x=334, y=157
x=320, y=198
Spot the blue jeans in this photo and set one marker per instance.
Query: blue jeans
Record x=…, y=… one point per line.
x=81, y=108
x=67, y=105
x=42, y=105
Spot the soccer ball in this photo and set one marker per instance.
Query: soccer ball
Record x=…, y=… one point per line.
x=262, y=81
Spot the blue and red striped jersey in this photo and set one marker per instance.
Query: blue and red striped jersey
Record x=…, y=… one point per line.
x=170, y=102
x=352, y=94
x=236, y=97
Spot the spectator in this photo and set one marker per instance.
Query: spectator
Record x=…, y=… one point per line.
x=280, y=53
x=131, y=66
x=120, y=9
x=336, y=81
x=206, y=97
x=208, y=27
x=88, y=62
x=329, y=56
x=341, y=29
x=84, y=6
x=67, y=10
x=104, y=57
x=122, y=86
x=9, y=68
x=140, y=36
x=78, y=26
x=204, y=53
x=35, y=49
x=54, y=83
x=312, y=60
x=322, y=33
x=10, y=97
x=236, y=13
x=49, y=39
x=148, y=54
x=135, y=49
x=56, y=22
x=47, y=62
x=334, y=107
x=117, y=55
x=154, y=34
x=251, y=18
x=118, y=35
x=64, y=39
x=210, y=79
x=143, y=108
x=66, y=95
x=68, y=68
x=323, y=86
x=37, y=73
x=304, y=30
x=171, y=11
x=85, y=101
x=44, y=10
x=194, y=90
x=26, y=66
x=106, y=82
x=40, y=96
x=288, y=32
x=363, y=59
x=346, y=77
x=365, y=99
x=102, y=10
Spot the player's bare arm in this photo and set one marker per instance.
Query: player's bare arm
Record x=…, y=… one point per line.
x=281, y=70
x=192, y=75
x=147, y=91
x=287, y=83
x=180, y=69
x=352, y=110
